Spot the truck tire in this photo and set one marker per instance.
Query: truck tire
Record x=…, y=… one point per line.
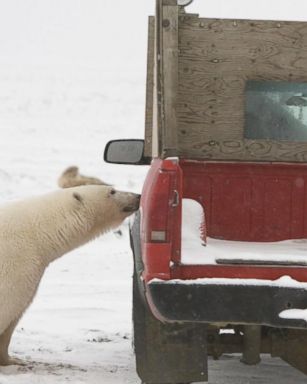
x=166, y=353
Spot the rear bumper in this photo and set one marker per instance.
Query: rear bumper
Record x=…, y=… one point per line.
x=225, y=303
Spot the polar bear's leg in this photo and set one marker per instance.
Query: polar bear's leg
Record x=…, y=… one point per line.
x=5, y=339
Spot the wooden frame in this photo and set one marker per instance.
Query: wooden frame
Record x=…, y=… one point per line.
x=166, y=79
x=197, y=72
x=148, y=148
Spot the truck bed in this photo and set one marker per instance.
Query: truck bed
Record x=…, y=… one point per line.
x=254, y=202
x=195, y=251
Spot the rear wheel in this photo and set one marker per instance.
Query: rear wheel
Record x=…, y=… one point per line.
x=166, y=353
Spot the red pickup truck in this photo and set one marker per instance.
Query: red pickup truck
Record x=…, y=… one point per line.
x=220, y=240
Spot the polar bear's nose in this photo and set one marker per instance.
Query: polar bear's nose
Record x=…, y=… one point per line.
x=137, y=200
x=133, y=205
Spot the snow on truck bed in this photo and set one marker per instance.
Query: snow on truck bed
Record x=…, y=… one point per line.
x=194, y=251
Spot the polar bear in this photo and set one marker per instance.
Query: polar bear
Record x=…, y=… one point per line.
x=72, y=178
x=36, y=231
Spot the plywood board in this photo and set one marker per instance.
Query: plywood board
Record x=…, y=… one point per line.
x=216, y=58
x=149, y=87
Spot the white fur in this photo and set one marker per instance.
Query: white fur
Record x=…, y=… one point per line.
x=36, y=231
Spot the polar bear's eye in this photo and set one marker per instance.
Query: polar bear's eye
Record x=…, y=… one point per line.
x=112, y=192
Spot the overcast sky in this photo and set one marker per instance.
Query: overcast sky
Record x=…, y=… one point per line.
x=257, y=9
x=105, y=33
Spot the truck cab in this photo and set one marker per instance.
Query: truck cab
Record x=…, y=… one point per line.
x=220, y=241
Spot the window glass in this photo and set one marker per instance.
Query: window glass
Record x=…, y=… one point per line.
x=276, y=111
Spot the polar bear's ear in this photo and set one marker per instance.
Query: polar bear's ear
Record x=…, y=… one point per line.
x=77, y=196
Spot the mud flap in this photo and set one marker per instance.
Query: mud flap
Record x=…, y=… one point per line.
x=167, y=353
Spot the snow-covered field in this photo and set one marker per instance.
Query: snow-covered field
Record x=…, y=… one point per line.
x=65, y=90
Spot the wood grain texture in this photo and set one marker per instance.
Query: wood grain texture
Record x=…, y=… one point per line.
x=244, y=150
x=149, y=87
x=216, y=58
x=169, y=81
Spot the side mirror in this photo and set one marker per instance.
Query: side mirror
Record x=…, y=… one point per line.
x=128, y=151
x=184, y=3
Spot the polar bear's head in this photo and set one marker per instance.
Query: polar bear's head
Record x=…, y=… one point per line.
x=65, y=219
x=104, y=204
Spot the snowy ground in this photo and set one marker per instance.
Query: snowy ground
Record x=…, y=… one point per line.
x=55, y=114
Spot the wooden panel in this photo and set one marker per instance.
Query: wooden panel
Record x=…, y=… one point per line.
x=169, y=83
x=216, y=59
x=149, y=87
x=195, y=145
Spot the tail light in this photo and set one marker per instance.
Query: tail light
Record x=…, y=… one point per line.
x=161, y=216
